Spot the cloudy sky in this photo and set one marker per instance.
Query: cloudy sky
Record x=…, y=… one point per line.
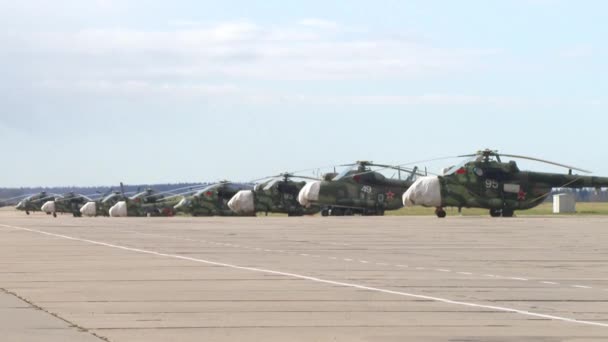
x=98, y=92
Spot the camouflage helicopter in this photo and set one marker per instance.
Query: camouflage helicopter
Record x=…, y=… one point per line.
x=149, y=203
x=357, y=190
x=35, y=202
x=485, y=181
x=67, y=203
x=278, y=194
x=12, y=200
x=212, y=200
x=101, y=207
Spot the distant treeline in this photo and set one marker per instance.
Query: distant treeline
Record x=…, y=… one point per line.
x=95, y=191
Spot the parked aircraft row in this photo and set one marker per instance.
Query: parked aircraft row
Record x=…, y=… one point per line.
x=482, y=180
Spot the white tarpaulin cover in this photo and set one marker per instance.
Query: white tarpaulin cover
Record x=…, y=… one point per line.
x=89, y=209
x=425, y=191
x=309, y=194
x=242, y=203
x=119, y=209
x=48, y=207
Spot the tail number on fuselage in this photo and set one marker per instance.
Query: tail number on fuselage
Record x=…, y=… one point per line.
x=491, y=184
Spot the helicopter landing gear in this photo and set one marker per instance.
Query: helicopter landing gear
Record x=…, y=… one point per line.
x=54, y=214
x=325, y=212
x=349, y=212
x=495, y=212
x=27, y=212
x=507, y=212
x=440, y=213
x=337, y=212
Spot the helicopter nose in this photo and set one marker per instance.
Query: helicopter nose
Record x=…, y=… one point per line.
x=242, y=203
x=89, y=209
x=309, y=194
x=48, y=207
x=426, y=191
x=119, y=209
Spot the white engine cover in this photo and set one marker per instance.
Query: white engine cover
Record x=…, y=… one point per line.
x=243, y=202
x=89, y=209
x=48, y=207
x=119, y=210
x=426, y=191
x=309, y=194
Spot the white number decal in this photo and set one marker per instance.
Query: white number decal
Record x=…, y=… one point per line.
x=491, y=184
x=366, y=189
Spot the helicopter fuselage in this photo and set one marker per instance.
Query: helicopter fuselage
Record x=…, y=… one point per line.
x=367, y=194
x=501, y=186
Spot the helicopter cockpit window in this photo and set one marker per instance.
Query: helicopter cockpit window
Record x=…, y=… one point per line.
x=344, y=173
x=204, y=190
x=457, y=167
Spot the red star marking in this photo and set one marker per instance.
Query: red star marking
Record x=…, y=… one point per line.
x=208, y=193
x=521, y=195
x=390, y=195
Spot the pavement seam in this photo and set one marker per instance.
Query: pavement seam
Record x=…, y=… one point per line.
x=70, y=323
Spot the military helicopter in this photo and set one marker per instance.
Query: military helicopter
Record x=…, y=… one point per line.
x=67, y=203
x=34, y=202
x=101, y=206
x=212, y=200
x=149, y=203
x=12, y=200
x=485, y=181
x=358, y=190
x=277, y=194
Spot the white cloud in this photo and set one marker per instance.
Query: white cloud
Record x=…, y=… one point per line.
x=214, y=60
x=238, y=50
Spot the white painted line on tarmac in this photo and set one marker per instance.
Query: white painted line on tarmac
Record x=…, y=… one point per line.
x=315, y=279
x=361, y=261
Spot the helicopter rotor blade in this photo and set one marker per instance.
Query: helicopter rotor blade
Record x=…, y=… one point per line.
x=17, y=197
x=401, y=167
x=172, y=191
x=545, y=161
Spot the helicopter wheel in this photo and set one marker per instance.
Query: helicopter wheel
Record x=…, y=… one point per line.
x=325, y=212
x=507, y=212
x=337, y=212
x=349, y=212
x=55, y=215
x=495, y=212
x=27, y=212
x=440, y=213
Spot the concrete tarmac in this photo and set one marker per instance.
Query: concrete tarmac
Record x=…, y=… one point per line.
x=303, y=279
